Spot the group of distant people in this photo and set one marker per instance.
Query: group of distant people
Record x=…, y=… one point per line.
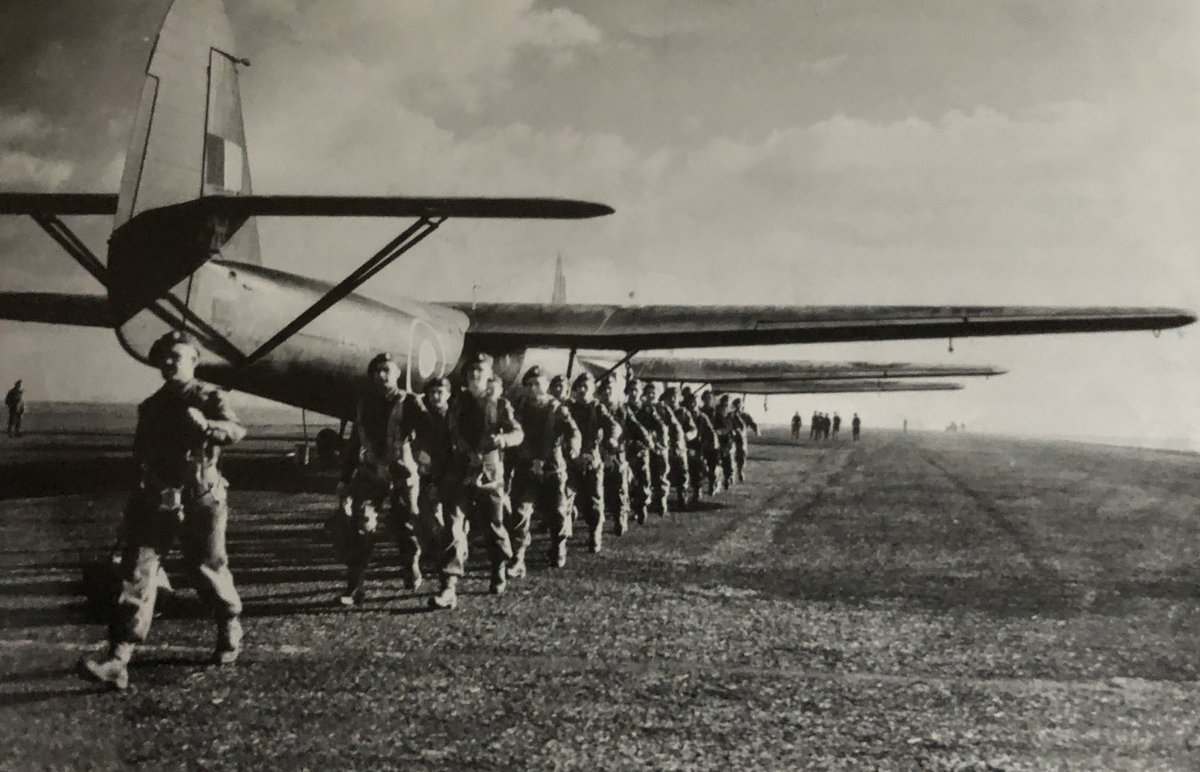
x=822, y=426
x=438, y=465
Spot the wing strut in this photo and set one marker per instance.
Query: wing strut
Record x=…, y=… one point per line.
x=411, y=236
x=72, y=245
x=624, y=360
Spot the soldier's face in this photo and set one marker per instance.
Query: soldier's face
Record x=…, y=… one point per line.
x=556, y=389
x=438, y=396
x=478, y=379
x=535, y=388
x=604, y=394
x=707, y=399
x=585, y=391
x=384, y=376
x=179, y=363
x=649, y=397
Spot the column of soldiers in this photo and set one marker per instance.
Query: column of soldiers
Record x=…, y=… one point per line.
x=443, y=463
x=434, y=467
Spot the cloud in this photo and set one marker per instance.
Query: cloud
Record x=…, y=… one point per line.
x=21, y=169
x=416, y=50
x=21, y=125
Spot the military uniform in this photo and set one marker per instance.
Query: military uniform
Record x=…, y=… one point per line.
x=639, y=446
x=432, y=450
x=481, y=427
x=723, y=422
x=742, y=423
x=650, y=415
x=540, y=474
x=681, y=431
x=617, y=473
x=712, y=449
x=700, y=447
x=598, y=432
x=181, y=495
x=378, y=466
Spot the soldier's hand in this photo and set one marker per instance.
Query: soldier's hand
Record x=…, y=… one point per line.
x=197, y=420
x=345, y=502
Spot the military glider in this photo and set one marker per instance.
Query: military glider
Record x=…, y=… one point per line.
x=184, y=254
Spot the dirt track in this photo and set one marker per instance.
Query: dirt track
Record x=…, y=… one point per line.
x=952, y=602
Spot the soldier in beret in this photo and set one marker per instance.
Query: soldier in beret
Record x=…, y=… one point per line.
x=180, y=495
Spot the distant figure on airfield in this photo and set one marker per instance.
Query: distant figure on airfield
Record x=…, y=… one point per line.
x=15, y=401
x=837, y=425
x=855, y=426
x=814, y=426
x=180, y=495
x=796, y=424
x=906, y=426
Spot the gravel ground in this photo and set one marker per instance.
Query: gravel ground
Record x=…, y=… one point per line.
x=912, y=601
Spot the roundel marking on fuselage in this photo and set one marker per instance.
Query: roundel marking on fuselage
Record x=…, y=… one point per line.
x=426, y=354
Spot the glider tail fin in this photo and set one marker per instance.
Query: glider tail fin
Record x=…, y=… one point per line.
x=188, y=142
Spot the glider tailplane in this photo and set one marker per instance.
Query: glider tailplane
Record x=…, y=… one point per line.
x=188, y=145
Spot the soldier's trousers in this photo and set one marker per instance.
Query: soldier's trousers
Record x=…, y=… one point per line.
x=588, y=483
x=616, y=491
x=660, y=486
x=14, y=424
x=406, y=516
x=431, y=514
x=149, y=533
x=354, y=534
x=546, y=494
x=483, y=507
x=739, y=459
x=696, y=472
x=728, y=462
x=639, y=483
x=712, y=470
x=679, y=478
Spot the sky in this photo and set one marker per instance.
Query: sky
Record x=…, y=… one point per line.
x=776, y=152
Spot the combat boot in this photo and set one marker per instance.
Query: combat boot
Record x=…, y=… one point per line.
x=447, y=596
x=595, y=543
x=229, y=641
x=516, y=566
x=111, y=668
x=499, y=584
x=621, y=526
x=353, y=597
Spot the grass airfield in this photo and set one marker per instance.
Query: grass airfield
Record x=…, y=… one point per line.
x=912, y=601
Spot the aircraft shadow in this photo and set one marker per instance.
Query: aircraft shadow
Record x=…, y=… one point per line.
x=117, y=474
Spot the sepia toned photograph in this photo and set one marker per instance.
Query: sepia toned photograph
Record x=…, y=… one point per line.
x=600, y=384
